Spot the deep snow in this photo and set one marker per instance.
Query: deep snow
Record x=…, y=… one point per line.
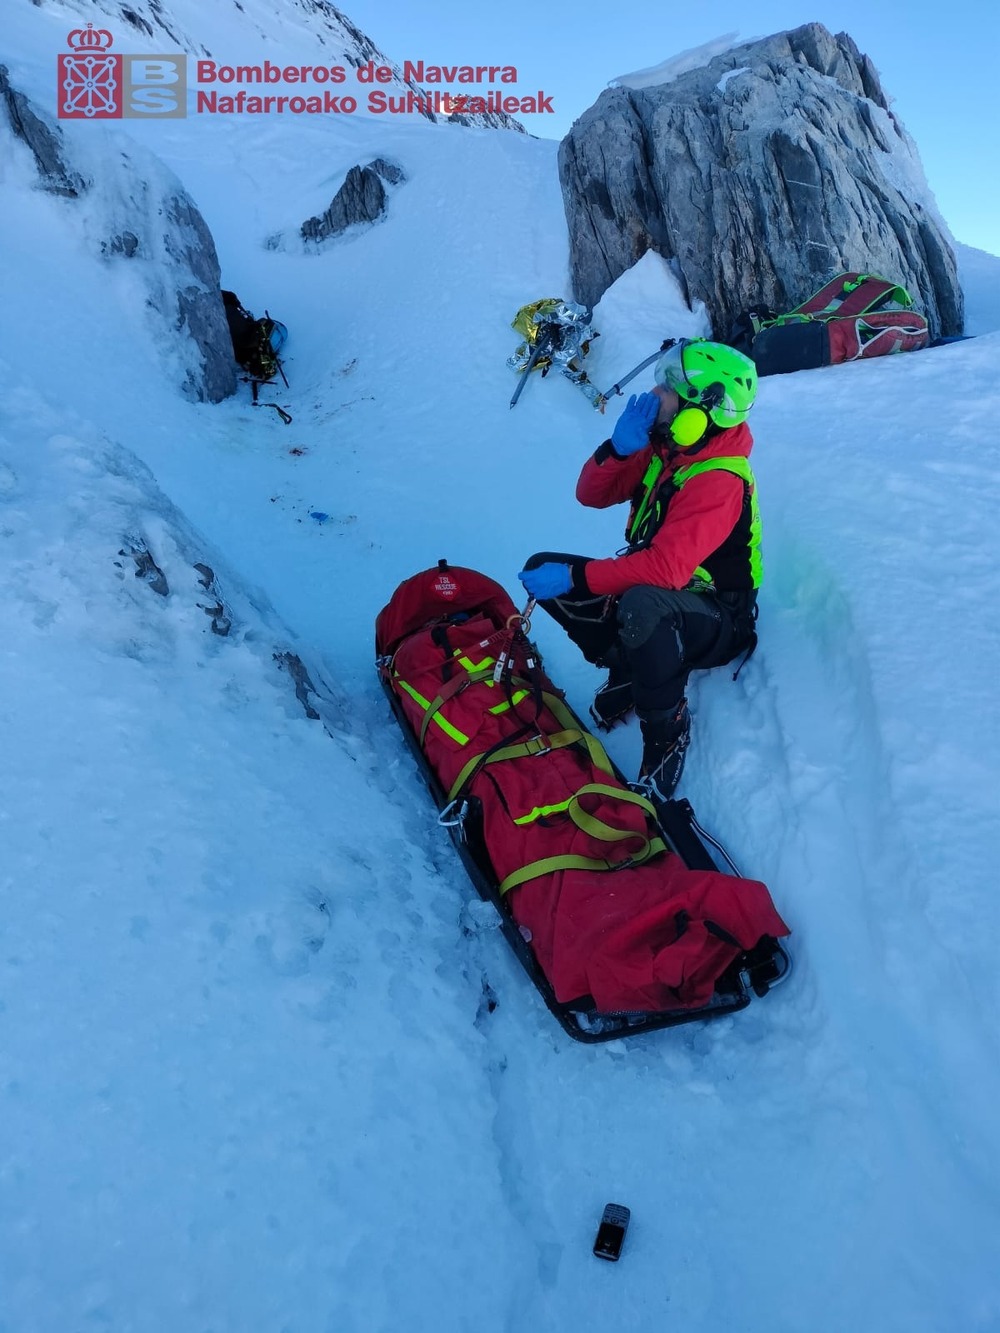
x=248, y=1078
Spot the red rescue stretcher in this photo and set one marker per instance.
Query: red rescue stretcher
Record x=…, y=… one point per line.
x=613, y=905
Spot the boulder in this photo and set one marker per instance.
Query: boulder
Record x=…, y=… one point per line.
x=131, y=208
x=760, y=174
x=360, y=200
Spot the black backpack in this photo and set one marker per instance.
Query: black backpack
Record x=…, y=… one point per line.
x=256, y=342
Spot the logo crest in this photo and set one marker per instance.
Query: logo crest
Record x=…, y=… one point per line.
x=90, y=80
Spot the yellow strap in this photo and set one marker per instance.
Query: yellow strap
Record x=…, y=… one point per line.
x=468, y=663
x=445, y=725
x=432, y=708
x=541, y=744
x=548, y=865
x=477, y=671
x=617, y=793
x=596, y=828
x=648, y=483
x=540, y=811
x=515, y=699
x=595, y=749
x=591, y=824
x=526, y=749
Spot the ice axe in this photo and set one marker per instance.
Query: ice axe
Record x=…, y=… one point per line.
x=541, y=348
x=665, y=346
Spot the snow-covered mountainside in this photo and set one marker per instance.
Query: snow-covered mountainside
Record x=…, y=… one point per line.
x=250, y=1075
x=243, y=30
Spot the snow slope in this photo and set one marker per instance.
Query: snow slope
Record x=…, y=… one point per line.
x=249, y=1076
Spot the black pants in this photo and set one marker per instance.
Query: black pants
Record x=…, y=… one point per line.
x=662, y=635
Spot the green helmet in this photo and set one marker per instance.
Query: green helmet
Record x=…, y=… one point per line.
x=711, y=376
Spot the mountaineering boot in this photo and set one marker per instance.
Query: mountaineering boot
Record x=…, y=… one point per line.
x=613, y=701
x=665, y=737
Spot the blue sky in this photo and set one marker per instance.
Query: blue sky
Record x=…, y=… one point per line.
x=938, y=65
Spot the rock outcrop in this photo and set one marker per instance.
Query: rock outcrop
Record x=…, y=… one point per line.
x=772, y=167
x=44, y=140
x=361, y=199
x=137, y=211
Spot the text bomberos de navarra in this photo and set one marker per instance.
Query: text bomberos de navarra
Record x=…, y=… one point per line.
x=378, y=101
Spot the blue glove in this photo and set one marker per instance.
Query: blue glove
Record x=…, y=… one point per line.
x=631, y=432
x=547, y=581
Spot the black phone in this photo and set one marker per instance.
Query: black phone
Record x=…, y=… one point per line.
x=611, y=1232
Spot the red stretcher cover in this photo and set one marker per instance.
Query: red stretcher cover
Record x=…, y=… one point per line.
x=609, y=911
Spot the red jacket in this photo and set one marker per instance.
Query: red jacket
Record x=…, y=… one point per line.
x=698, y=520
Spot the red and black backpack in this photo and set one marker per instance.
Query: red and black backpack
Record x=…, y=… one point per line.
x=852, y=317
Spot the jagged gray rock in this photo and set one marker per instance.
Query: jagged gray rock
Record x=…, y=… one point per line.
x=125, y=243
x=391, y=172
x=147, y=216
x=361, y=199
x=776, y=165
x=199, y=296
x=45, y=142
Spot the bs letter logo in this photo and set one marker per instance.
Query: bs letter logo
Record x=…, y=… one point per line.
x=94, y=85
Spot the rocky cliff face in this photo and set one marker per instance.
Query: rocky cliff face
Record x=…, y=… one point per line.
x=132, y=210
x=775, y=165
